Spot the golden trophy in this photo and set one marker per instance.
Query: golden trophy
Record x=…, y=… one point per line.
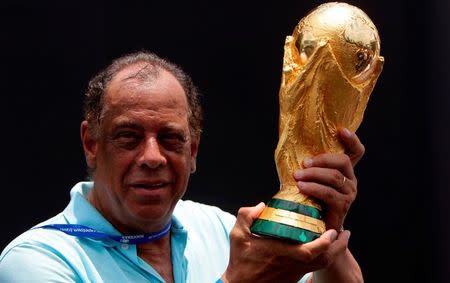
x=331, y=64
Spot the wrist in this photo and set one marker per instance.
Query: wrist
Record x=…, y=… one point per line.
x=343, y=269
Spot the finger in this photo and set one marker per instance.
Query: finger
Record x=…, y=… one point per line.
x=326, y=194
x=338, y=161
x=335, y=248
x=325, y=176
x=352, y=145
x=309, y=251
x=340, y=244
x=246, y=215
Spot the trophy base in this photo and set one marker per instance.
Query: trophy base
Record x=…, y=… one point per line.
x=290, y=221
x=272, y=229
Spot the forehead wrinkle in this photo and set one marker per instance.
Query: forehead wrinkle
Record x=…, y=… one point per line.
x=130, y=113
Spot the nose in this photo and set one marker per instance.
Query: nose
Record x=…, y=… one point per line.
x=151, y=155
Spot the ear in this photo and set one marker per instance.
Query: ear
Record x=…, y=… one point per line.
x=194, y=150
x=89, y=145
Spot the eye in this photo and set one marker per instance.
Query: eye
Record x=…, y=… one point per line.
x=127, y=139
x=172, y=141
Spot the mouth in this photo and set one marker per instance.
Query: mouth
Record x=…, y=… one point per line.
x=146, y=191
x=150, y=186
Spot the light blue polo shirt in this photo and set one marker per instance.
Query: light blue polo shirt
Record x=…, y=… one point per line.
x=199, y=240
x=45, y=255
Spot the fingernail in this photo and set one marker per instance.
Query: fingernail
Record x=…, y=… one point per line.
x=333, y=235
x=300, y=185
x=347, y=133
x=308, y=162
x=299, y=174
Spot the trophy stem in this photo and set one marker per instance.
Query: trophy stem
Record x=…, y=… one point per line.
x=289, y=220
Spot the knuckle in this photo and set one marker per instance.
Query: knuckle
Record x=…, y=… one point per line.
x=235, y=234
x=243, y=214
x=337, y=177
x=241, y=211
x=329, y=194
x=354, y=188
x=346, y=159
x=238, y=239
x=362, y=149
x=235, y=230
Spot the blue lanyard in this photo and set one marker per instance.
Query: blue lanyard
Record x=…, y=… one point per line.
x=87, y=232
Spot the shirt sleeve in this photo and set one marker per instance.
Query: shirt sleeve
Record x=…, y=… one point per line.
x=34, y=263
x=305, y=277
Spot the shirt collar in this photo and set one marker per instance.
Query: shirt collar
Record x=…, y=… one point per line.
x=81, y=212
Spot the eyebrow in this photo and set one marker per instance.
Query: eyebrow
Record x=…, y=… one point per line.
x=169, y=127
x=127, y=124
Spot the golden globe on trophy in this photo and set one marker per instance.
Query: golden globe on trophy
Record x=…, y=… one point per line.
x=331, y=64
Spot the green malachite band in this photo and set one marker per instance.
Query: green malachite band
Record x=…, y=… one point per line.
x=295, y=207
x=282, y=231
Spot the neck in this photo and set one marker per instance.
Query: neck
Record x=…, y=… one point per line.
x=160, y=246
x=158, y=255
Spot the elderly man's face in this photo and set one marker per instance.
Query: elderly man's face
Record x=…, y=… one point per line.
x=144, y=153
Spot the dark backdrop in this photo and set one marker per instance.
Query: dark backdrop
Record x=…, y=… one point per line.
x=234, y=49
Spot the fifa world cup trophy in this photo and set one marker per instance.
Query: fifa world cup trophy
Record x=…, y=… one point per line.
x=331, y=64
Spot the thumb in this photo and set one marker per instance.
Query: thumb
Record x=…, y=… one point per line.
x=246, y=215
x=256, y=210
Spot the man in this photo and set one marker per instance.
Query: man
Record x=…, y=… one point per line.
x=140, y=136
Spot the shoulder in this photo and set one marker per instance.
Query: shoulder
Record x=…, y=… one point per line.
x=201, y=208
x=192, y=211
x=207, y=218
x=38, y=255
x=37, y=237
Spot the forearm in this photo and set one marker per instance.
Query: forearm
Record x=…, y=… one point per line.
x=344, y=269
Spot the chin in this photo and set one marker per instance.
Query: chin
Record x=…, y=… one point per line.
x=153, y=214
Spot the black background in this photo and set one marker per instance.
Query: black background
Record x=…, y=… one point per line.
x=234, y=50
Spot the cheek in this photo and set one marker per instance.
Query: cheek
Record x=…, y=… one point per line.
x=182, y=167
x=116, y=163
